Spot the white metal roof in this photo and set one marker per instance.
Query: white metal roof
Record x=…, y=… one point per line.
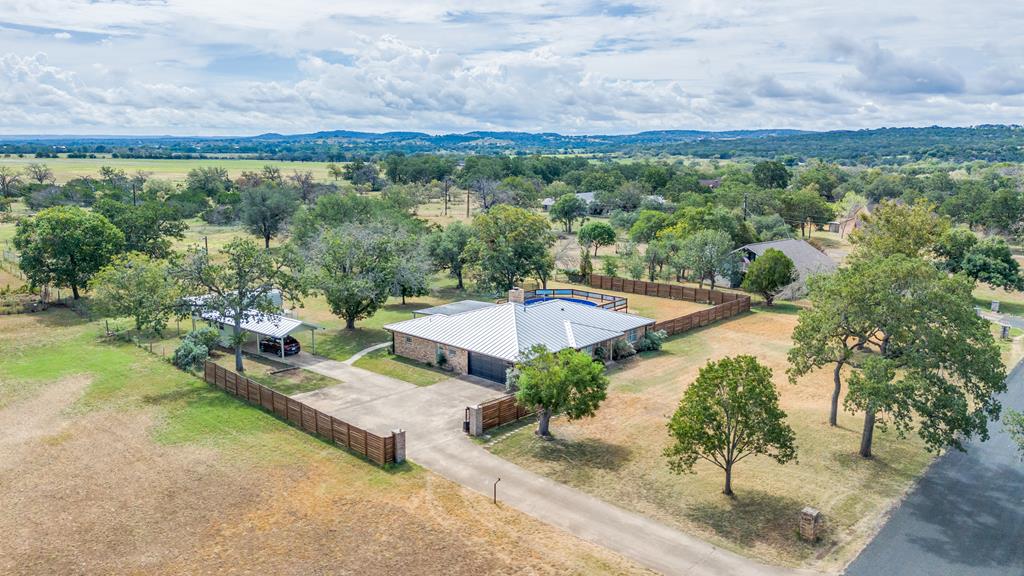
x=262, y=323
x=455, y=307
x=506, y=330
x=272, y=325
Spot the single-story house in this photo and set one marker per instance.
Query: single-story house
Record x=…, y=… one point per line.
x=807, y=259
x=710, y=182
x=486, y=341
x=587, y=197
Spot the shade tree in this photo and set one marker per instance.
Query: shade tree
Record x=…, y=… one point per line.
x=237, y=284
x=769, y=274
x=508, y=245
x=596, y=234
x=569, y=382
x=265, y=210
x=138, y=286
x=731, y=412
x=65, y=246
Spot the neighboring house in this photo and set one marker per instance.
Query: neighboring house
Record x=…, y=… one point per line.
x=486, y=341
x=587, y=197
x=711, y=183
x=807, y=259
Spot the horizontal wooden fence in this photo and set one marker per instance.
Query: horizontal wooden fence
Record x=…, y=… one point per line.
x=725, y=304
x=703, y=317
x=379, y=449
x=659, y=290
x=502, y=411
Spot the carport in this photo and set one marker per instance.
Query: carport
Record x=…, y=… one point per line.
x=262, y=325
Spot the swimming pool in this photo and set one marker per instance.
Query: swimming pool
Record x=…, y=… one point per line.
x=576, y=300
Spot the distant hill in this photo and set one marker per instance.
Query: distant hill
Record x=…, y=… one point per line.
x=878, y=146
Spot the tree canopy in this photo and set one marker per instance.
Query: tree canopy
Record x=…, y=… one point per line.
x=138, y=286
x=769, y=273
x=354, y=267
x=266, y=208
x=509, y=244
x=596, y=234
x=729, y=413
x=567, y=209
x=65, y=246
x=567, y=381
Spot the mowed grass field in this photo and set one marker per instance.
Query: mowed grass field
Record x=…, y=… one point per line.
x=617, y=456
x=114, y=462
x=65, y=169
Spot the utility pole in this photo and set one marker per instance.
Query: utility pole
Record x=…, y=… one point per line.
x=467, y=202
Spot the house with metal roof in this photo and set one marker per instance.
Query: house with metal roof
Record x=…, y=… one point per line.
x=486, y=341
x=808, y=260
x=587, y=197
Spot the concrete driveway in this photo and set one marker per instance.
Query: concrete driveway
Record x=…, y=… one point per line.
x=965, y=517
x=433, y=415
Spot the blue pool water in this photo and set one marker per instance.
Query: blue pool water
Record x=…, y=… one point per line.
x=576, y=300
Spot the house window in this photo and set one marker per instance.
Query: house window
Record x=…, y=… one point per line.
x=408, y=339
x=589, y=349
x=631, y=336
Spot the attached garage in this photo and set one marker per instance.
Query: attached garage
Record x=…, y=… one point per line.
x=487, y=367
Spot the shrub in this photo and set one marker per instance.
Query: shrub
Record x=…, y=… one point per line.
x=622, y=349
x=440, y=359
x=611, y=267
x=206, y=336
x=190, y=355
x=651, y=341
x=600, y=353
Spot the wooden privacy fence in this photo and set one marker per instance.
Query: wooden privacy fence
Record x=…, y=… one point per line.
x=380, y=449
x=704, y=317
x=494, y=413
x=660, y=290
x=726, y=304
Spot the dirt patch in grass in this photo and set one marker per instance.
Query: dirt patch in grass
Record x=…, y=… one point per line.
x=617, y=456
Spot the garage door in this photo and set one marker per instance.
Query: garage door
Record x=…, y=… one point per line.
x=487, y=367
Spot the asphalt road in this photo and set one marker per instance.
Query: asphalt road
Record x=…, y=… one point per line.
x=966, y=517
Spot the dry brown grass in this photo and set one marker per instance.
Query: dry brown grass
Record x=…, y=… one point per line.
x=617, y=455
x=124, y=465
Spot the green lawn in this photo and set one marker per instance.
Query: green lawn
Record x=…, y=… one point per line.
x=383, y=362
x=56, y=344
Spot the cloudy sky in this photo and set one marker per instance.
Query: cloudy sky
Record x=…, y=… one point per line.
x=218, y=67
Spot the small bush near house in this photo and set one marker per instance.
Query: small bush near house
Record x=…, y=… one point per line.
x=622, y=349
x=206, y=336
x=651, y=341
x=190, y=355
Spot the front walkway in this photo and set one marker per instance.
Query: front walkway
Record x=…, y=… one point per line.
x=433, y=415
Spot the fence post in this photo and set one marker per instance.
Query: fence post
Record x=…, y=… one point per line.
x=399, y=436
x=476, y=420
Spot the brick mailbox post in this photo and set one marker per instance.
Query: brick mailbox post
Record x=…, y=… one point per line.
x=811, y=524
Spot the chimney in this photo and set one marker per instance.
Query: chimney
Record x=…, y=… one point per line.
x=517, y=295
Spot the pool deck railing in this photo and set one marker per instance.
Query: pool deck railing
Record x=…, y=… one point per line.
x=606, y=301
